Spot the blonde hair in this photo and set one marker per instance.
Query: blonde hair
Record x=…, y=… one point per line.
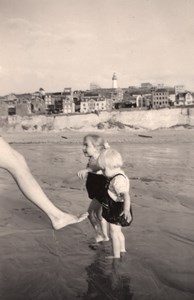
x=97, y=141
x=110, y=158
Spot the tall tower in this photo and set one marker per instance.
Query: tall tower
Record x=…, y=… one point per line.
x=114, y=81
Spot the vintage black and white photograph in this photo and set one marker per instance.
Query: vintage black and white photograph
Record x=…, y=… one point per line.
x=97, y=149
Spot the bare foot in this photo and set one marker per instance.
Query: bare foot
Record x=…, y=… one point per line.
x=106, y=239
x=99, y=238
x=68, y=219
x=112, y=257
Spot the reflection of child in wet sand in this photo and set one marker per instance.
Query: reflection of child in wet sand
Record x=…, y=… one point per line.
x=108, y=281
x=15, y=164
x=116, y=206
x=92, y=147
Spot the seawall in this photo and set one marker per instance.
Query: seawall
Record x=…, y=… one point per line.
x=149, y=119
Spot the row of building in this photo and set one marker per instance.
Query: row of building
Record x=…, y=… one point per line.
x=66, y=102
x=95, y=100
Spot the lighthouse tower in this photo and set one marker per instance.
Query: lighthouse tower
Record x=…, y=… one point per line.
x=114, y=81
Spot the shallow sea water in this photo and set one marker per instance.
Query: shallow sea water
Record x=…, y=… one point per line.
x=42, y=264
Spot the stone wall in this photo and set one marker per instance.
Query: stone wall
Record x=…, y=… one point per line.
x=149, y=119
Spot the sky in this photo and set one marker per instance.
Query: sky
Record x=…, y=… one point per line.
x=55, y=44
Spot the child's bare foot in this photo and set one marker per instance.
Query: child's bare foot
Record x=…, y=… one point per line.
x=99, y=238
x=68, y=219
x=112, y=257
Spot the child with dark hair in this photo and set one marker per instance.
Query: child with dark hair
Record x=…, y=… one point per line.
x=95, y=184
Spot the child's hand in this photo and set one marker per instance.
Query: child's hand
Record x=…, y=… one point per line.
x=82, y=173
x=127, y=215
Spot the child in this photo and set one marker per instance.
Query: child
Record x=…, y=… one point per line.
x=116, y=208
x=95, y=184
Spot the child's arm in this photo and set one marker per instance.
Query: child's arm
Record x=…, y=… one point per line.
x=127, y=203
x=121, y=187
x=83, y=173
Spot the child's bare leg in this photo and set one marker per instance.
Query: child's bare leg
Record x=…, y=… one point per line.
x=115, y=231
x=104, y=226
x=92, y=213
x=122, y=242
x=94, y=220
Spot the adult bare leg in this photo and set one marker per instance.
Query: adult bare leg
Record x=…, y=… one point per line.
x=15, y=164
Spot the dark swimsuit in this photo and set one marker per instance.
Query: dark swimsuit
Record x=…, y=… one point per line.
x=95, y=185
x=111, y=209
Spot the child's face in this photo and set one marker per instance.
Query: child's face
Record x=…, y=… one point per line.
x=89, y=149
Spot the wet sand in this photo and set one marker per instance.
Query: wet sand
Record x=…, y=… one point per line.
x=40, y=263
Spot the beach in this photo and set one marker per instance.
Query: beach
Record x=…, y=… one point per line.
x=40, y=263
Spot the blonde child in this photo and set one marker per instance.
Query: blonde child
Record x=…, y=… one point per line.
x=116, y=205
x=95, y=184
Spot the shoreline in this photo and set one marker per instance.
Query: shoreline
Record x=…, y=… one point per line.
x=169, y=135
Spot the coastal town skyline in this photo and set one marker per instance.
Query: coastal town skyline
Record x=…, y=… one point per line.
x=92, y=87
x=55, y=44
